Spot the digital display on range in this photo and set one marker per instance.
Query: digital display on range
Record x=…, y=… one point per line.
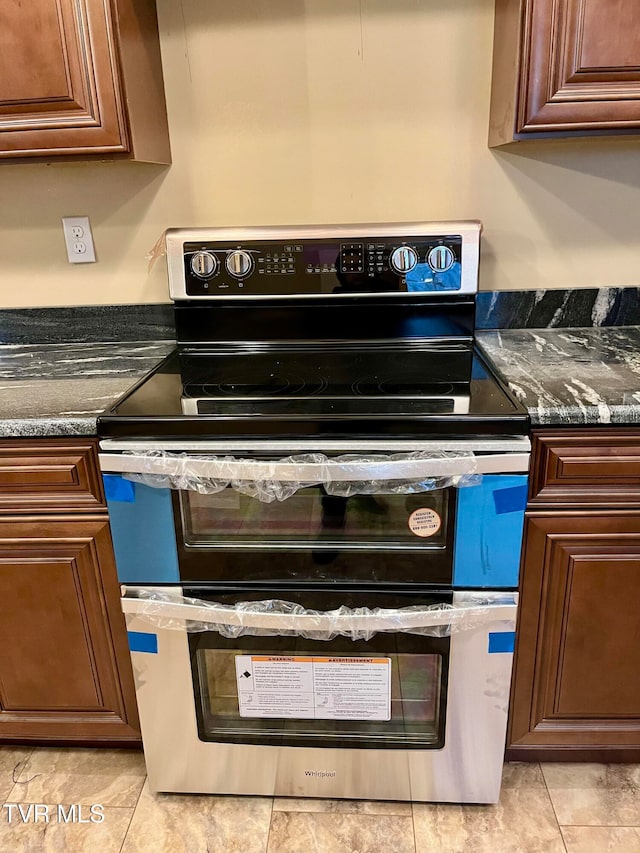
x=321, y=256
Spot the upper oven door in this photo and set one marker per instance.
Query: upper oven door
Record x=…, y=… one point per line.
x=257, y=519
x=316, y=536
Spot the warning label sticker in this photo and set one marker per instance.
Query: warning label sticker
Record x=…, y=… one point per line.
x=316, y=688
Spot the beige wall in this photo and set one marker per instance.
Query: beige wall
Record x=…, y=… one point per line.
x=297, y=111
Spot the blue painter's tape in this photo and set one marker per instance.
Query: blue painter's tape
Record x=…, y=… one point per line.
x=140, y=641
x=487, y=543
x=116, y=488
x=501, y=642
x=144, y=538
x=513, y=499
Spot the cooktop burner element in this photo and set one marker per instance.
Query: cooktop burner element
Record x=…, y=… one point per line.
x=311, y=371
x=374, y=386
x=267, y=386
x=275, y=386
x=273, y=340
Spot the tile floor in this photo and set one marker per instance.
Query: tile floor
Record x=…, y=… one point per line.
x=569, y=808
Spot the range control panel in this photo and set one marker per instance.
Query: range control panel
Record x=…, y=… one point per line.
x=347, y=266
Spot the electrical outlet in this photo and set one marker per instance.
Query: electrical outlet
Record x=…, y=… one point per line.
x=78, y=239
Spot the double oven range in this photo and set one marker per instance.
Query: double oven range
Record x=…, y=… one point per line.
x=316, y=505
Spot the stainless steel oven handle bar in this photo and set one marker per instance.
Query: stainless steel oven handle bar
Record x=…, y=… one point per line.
x=330, y=623
x=312, y=472
x=284, y=447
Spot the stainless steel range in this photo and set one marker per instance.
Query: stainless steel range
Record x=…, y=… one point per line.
x=317, y=503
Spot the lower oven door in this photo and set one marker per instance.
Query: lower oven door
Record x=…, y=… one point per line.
x=273, y=700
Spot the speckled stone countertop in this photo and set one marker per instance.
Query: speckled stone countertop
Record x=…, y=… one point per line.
x=564, y=376
x=59, y=389
x=570, y=376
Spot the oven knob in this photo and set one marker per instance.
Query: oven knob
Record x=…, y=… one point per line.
x=441, y=259
x=203, y=264
x=239, y=263
x=404, y=259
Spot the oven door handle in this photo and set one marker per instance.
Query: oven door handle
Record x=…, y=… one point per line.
x=314, y=472
x=175, y=614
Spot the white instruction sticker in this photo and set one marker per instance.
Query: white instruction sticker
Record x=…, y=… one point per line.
x=316, y=688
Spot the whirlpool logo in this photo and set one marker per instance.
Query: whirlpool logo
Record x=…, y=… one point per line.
x=321, y=774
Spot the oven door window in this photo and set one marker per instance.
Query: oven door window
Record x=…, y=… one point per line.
x=315, y=536
x=312, y=517
x=314, y=696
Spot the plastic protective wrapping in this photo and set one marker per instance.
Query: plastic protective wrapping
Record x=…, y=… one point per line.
x=347, y=475
x=276, y=618
x=157, y=251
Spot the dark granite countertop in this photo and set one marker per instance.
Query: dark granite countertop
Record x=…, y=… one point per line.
x=60, y=388
x=570, y=376
x=563, y=375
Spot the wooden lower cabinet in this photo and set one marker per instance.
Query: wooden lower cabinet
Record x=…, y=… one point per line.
x=576, y=688
x=65, y=674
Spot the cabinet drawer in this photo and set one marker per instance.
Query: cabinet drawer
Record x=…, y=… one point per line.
x=586, y=468
x=49, y=475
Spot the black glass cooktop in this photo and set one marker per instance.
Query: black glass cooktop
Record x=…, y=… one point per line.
x=383, y=390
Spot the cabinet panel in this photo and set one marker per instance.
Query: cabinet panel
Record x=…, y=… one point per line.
x=33, y=68
x=49, y=474
x=586, y=468
x=578, y=650
x=600, y=592
x=603, y=45
x=57, y=610
x=565, y=67
x=62, y=633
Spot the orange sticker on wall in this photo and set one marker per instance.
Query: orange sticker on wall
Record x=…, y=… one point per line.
x=424, y=522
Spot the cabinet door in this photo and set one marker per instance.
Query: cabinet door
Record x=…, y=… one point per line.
x=59, y=83
x=577, y=68
x=65, y=668
x=576, y=688
x=81, y=77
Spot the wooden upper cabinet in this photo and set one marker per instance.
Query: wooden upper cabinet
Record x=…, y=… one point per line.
x=81, y=77
x=565, y=68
